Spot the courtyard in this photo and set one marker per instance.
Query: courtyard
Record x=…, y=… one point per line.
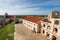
x=23, y=33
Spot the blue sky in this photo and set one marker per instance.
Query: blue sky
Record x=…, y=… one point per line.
x=28, y=7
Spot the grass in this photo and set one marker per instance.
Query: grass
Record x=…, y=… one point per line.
x=7, y=32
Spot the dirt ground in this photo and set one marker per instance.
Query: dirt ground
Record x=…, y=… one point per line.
x=23, y=33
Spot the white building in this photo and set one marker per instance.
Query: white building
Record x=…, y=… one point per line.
x=51, y=26
x=32, y=23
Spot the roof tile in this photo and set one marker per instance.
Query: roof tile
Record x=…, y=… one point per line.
x=33, y=19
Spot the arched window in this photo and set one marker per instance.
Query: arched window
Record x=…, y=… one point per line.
x=54, y=38
x=44, y=25
x=55, y=29
x=48, y=35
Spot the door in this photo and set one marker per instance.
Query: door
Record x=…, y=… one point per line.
x=34, y=30
x=39, y=28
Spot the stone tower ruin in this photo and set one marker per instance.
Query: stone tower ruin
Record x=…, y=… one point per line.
x=6, y=15
x=56, y=14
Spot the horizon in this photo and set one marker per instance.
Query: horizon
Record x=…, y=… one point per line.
x=28, y=7
x=25, y=15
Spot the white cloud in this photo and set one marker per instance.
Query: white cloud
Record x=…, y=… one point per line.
x=16, y=9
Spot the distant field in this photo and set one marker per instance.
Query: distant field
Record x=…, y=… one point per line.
x=22, y=16
x=7, y=32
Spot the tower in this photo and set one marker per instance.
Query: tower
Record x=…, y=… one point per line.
x=56, y=14
x=6, y=15
x=55, y=23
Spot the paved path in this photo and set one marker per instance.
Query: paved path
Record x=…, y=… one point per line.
x=23, y=33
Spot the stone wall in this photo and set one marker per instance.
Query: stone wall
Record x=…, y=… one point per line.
x=55, y=14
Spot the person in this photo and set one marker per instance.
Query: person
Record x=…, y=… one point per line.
x=34, y=30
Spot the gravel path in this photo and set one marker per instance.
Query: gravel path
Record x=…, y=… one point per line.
x=23, y=33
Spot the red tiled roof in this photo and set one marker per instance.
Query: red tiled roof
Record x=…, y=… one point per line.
x=33, y=19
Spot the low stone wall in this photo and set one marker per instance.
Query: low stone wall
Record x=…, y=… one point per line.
x=5, y=22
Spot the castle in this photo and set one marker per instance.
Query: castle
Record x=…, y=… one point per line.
x=49, y=26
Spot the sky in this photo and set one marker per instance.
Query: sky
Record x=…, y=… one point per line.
x=28, y=7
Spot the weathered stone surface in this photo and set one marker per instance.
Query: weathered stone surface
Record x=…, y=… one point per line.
x=55, y=14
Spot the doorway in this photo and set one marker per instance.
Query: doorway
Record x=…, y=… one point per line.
x=43, y=31
x=53, y=38
x=34, y=30
x=47, y=34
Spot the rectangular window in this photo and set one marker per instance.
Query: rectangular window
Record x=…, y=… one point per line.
x=48, y=27
x=56, y=22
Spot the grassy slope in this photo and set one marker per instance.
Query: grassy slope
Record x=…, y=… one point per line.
x=7, y=32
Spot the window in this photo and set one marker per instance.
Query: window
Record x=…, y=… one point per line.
x=29, y=25
x=47, y=34
x=56, y=22
x=44, y=25
x=48, y=27
x=43, y=31
x=55, y=30
x=54, y=38
x=56, y=14
x=34, y=24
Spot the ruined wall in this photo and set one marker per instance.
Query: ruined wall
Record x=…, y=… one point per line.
x=55, y=14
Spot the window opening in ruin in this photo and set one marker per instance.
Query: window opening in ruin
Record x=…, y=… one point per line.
x=43, y=31
x=48, y=27
x=54, y=38
x=56, y=22
x=56, y=30
x=56, y=14
x=44, y=25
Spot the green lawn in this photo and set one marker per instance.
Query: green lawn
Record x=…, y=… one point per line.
x=7, y=32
